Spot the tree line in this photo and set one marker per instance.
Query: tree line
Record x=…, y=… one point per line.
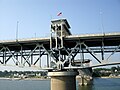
x=10, y=74
x=99, y=72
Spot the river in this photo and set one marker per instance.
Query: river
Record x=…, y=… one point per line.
x=98, y=84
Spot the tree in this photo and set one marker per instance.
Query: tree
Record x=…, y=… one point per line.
x=113, y=69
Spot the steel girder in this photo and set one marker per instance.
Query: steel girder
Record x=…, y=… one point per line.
x=23, y=57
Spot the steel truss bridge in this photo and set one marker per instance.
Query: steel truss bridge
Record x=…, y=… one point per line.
x=60, y=49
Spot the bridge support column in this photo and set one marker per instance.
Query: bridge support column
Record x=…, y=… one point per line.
x=63, y=80
x=84, y=80
x=85, y=76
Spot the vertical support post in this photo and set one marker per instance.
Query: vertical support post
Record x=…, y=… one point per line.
x=4, y=56
x=61, y=35
x=47, y=60
x=102, y=52
x=16, y=58
x=56, y=38
x=31, y=59
x=51, y=38
x=21, y=55
x=40, y=56
x=81, y=55
x=64, y=57
x=59, y=55
x=50, y=61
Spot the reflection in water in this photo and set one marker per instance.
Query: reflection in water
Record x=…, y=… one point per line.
x=87, y=87
x=102, y=84
x=90, y=86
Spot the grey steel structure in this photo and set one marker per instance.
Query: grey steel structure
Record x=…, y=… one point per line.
x=60, y=49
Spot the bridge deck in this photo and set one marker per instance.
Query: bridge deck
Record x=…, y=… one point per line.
x=92, y=40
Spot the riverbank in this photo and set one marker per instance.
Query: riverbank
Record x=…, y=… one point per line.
x=3, y=78
x=109, y=77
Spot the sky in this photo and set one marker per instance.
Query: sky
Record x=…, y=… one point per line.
x=34, y=16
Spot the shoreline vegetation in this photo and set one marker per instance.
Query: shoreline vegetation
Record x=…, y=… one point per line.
x=113, y=72
x=110, y=77
x=4, y=78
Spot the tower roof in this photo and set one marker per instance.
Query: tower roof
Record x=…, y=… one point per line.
x=65, y=24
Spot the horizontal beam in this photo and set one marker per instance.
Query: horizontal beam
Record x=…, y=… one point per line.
x=87, y=38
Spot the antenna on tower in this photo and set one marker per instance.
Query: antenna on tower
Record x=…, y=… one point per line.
x=102, y=27
x=17, y=31
x=101, y=19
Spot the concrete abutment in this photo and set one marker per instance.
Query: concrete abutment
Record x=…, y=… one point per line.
x=63, y=80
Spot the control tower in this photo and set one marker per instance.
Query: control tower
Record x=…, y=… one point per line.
x=60, y=79
x=59, y=29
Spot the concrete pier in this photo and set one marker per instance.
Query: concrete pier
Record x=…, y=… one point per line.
x=63, y=80
x=84, y=80
x=85, y=76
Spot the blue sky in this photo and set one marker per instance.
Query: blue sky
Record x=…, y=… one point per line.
x=34, y=16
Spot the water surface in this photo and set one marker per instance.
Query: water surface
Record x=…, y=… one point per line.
x=98, y=84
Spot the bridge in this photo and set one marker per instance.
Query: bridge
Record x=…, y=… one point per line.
x=60, y=51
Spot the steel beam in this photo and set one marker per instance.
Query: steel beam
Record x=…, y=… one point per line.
x=27, y=59
x=13, y=56
x=113, y=52
x=91, y=52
